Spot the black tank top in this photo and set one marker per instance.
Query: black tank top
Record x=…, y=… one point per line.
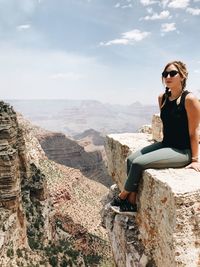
x=175, y=123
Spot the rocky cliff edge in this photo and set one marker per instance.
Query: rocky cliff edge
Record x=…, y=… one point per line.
x=166, y=230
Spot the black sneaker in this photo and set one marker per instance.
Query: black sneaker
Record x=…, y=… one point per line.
x=117, y=201
x=125, y=208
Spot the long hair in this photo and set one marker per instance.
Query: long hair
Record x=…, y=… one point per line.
x=182, y=69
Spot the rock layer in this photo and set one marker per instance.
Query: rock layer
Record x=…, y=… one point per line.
x=18, y=179
x=63, y=150
x=12, y=170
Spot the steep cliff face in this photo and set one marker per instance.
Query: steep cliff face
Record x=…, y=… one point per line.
x=67, y=152
x=43, y=204
x=19, y=189
x=165, y=231
x=13, y=169
x=63, y=150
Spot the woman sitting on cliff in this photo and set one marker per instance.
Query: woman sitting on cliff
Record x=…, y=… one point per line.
x=180, y=115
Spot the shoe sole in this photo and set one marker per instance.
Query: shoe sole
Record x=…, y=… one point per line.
x=130, y=213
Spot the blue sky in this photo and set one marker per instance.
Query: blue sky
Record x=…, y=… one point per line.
x=109, y=50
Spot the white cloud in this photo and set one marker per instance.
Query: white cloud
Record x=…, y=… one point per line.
x=117, y=5
x=197, y=71
x=123, y=6
x=115, y=41
x=128, y=38
x=72, y=76
x=23, y=27
x=193, y=11
x=150, y=10
x=163, y=15
x=178, y=3
x=127, y=6
x=148, y=2
x=135, y=35
x=168, y=27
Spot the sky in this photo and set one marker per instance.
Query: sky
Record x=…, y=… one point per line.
x=109, y=50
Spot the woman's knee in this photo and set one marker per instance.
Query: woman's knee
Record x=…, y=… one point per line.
x=132, y=157
x=137, y=165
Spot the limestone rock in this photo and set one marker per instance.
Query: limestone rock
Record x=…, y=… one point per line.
x=123, y=233
x=168, y=218
x=118, y=147
x=157, y=134
x=146, y=129
x=17, y=179
x=12, y=168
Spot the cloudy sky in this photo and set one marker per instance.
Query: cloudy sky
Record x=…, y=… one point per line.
x=109, y=50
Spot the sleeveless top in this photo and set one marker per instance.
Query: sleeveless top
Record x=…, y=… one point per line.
x=175, y=123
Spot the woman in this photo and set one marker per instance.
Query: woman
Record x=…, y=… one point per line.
x=180, y=115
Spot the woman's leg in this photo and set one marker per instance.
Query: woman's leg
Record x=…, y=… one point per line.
x=163, y=157
x=131, y=196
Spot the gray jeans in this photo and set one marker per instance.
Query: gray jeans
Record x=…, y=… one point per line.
x=154, y=156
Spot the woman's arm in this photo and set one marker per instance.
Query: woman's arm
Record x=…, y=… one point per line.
x=160, y=100
x=192, y=106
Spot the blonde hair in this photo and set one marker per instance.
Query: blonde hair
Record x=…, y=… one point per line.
x=182, y=69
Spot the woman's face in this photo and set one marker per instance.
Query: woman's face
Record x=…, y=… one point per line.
x=172, y=78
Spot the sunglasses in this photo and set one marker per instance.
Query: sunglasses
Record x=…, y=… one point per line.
x=171, y=73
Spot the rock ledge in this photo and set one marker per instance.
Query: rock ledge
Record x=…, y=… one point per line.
x=168, y=221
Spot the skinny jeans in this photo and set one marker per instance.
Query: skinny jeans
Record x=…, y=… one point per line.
x=156, y=156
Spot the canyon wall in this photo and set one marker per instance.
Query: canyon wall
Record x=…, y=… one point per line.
x=49, y=213
x=23, y=193
x=66, y=151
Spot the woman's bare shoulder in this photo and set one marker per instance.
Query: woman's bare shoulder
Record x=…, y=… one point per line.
x=192, y=100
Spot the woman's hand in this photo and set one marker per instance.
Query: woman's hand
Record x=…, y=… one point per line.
x=194, y=165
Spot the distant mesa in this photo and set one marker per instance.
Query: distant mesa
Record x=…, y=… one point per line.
x=96, y=137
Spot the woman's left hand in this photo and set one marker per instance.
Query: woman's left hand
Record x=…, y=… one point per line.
x=194, y=165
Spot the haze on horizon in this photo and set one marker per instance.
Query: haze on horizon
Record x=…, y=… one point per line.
x=111, y=51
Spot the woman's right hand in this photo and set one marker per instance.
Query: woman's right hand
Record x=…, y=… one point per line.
x=194, y=165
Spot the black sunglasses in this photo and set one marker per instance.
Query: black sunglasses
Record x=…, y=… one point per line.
x=171, y=73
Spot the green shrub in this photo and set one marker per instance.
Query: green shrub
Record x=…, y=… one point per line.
x=53, y=261
x=73, y=254
x=10, y=252
x=33, y=243
x=19, y=253
x=66, y=263
x=92, y=259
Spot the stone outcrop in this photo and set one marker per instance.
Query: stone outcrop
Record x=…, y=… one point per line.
x=13, y=168
x=166, y=230
x=22, y=189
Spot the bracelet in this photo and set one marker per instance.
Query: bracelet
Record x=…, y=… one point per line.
x=195, y=159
